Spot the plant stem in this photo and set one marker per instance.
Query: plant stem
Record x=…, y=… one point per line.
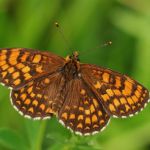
x=40, y=135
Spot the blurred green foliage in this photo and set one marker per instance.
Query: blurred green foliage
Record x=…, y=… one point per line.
x=86, y=24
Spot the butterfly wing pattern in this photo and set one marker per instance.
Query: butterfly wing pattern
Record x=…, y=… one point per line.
x=39, y=99
x=28, y=74
x=83, y=97
x=19, y=66
x=120, y=95
x=82, y=111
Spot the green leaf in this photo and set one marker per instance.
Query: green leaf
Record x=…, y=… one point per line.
x=11, y=140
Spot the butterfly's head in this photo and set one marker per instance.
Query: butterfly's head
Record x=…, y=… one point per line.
x=72, y=66
x=74, y=57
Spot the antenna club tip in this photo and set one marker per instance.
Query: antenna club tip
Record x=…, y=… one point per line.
x=56, y=24
x=109, y=42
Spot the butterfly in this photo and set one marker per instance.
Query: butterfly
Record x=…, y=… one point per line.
x=82, y=96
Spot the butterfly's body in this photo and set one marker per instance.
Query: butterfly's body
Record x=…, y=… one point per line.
x=71, y=69
x=82, y=96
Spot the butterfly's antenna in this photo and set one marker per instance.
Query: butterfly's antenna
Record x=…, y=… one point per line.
x=60, y=30
x=107, y=43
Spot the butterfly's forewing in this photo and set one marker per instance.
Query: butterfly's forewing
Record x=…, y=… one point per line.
x=19, y=66
x=120, y=95
x=41, y=98
x=81, y=111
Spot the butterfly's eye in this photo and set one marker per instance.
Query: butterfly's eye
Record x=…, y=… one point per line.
x=68, y=58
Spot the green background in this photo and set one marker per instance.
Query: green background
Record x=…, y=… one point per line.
x=86, y=24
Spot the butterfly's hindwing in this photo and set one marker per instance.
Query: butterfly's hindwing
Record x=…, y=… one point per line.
x=81, y=111
x=40, y=98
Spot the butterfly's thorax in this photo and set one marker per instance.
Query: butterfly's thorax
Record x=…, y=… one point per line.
x=71, y=69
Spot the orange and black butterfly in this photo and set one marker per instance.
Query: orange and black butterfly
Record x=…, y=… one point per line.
x=82, y=96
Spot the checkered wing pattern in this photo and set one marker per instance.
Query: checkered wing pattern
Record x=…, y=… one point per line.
x=81, y=111
x=120, y=95
x=39, y=99
x=19, y=66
